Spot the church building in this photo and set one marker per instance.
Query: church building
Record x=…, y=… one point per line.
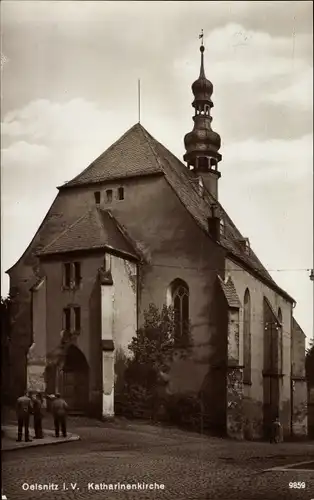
x=140, y=227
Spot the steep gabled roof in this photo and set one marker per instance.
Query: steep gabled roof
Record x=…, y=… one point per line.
x=96, y=229
x=129, y=156
x=137, y=153
x=182, y=181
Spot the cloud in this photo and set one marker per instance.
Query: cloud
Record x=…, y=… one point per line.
x=265, y=161
x=55, y=123
x=299, y=93
x=57, y=137
x=28, y=154
x=238, y=55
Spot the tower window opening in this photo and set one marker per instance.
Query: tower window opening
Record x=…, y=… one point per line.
x=97, y=197
x=121, y=193
x=203, y=163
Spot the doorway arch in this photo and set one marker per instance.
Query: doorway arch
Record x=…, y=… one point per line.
x=75, y=380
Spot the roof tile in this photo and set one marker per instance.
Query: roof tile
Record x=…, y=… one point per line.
x=95, y=229
x=230, y=292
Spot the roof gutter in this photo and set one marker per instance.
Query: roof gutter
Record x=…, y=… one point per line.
x=108, y=248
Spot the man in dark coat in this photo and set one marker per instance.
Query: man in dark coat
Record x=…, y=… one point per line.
x=38, y=415
x=23, y=411
x=59, y=411
x=276, y=431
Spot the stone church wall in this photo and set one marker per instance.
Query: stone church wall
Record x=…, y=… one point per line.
x=253, y=394
x=299, y=386
x=67, y=207
x=166, y=234
x=87, y=297
x=37, y=354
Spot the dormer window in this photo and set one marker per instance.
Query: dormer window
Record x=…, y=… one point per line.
x=109, y=195
x=222, y=227
x=120, y=193
x=97, y=197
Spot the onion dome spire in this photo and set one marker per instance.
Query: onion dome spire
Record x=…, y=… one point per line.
x=202, y=144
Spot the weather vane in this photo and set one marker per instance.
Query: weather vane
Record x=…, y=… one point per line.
x=201, y=37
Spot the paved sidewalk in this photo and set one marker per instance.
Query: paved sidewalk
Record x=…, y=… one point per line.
x=10, y=434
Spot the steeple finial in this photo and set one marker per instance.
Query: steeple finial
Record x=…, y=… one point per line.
x=202, y=144
x=201, y=37
x=202, y=48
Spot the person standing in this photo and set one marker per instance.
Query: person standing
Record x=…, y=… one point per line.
x=23, y=411
x=59, y=411
x=38, y=415
x=276, y=435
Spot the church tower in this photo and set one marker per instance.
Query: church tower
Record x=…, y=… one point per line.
x=202, y=144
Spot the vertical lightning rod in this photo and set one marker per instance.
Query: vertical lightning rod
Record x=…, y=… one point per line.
x=139, y=101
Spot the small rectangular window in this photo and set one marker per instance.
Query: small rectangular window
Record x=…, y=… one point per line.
x=121, y=193
x=77, y=318
x=67, y=319
x=97, y=197
x=67, y=275
x=109, y=195
x=77, y=273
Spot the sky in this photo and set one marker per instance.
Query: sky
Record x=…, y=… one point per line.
x=69, y=88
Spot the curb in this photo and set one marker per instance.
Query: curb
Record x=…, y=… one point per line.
x=11, y=444
x=32, y=444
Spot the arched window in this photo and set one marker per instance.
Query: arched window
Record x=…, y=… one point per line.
x=179, y=291
x=280, y=338
x=247, y=338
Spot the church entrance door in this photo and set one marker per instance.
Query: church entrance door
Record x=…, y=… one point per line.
x=75, y=380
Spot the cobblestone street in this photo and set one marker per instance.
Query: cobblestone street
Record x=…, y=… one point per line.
x=188, y=465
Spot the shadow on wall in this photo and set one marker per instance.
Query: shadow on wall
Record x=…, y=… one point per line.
x=95, y=347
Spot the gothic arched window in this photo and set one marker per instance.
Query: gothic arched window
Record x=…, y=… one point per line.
x=280, y=338
x=247, y=338
x=180, y=302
